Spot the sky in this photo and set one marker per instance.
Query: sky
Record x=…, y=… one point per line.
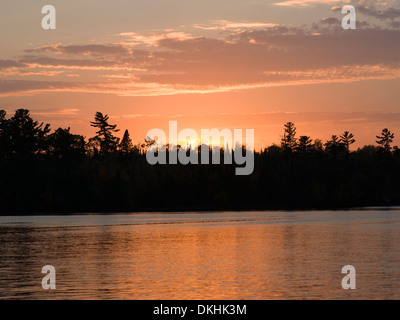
x=236, y=64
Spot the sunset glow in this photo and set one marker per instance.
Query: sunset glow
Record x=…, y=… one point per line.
x=230, y=64
x=197, y=158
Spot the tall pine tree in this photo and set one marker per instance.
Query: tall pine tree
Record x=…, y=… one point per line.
x=108, y=142
x=385, y=140
x=126, y=145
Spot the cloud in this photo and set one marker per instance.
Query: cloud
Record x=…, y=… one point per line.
x=8, y=64
x=133, y=116
x=136, y=39
x=243, y=58
x=45, y=61
x=330, y=21
x=8, y=87
x=389, y=13
x=232, y=26
x=375, y=9
x=56, y=112
x=246, y=56
x=332, y=24
x=86, y=50
x=395, y=24
x=303, y=3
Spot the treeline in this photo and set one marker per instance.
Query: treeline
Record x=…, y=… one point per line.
x=61, y=172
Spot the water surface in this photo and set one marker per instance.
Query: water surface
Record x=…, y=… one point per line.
x=245, y=255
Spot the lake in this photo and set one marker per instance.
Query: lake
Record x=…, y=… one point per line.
x=229, y=255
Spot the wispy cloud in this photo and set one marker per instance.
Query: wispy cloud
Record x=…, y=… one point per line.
x=234, y=26
x=133, y=116
x=134, y=38
x=304, y=3
x=10, y=64
x=56, y=112
x=85, y=50
x=382, y=13
x=247, y=55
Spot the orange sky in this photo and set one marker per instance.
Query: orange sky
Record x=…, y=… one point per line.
x=207, y=66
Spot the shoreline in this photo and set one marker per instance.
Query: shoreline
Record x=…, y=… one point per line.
x=201, y=211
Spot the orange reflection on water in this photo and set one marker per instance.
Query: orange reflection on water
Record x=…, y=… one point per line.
x=207, y=260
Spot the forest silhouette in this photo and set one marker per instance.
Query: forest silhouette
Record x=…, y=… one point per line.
x=61, y=172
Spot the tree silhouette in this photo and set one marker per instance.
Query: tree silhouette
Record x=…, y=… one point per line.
x=93, y=146
x=334, y=145
x=42, y=173
x=304, y=144
x=108, y=142
x=126, y=145
x=385, y=140
x=318, y=145
x=148, y=142
x=4, y=139
x=26, y=136
x=63, y=144
x=289, y=140
x=347, y=139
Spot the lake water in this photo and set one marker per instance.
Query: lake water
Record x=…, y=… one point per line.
x=246, y=255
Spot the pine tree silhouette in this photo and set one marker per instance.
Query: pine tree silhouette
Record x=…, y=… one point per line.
x=305, y=144
x=126, y=145
x=385, y=140
x=289, y=141
x=26, y=136
x=108, y=142
x=347, y=139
